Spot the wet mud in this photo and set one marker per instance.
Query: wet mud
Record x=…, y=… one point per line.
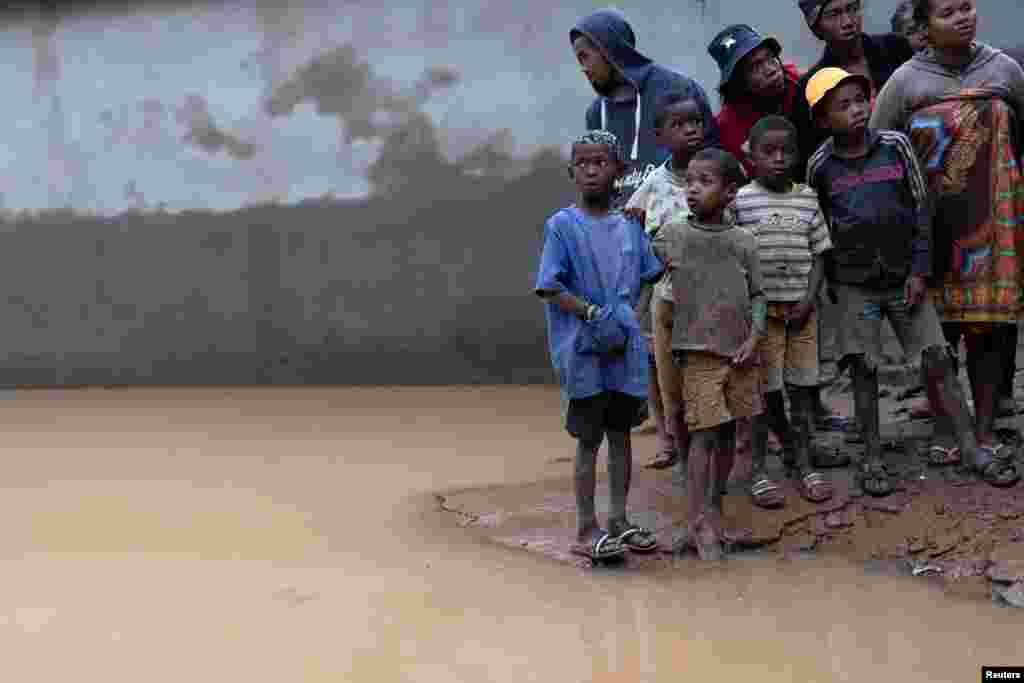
x=943, y=525
x=299, y=534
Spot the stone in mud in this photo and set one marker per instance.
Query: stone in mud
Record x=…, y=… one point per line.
x=1007, y=564
x=944, y=545
x=918, y=545
x=1008, y=571
x=834, y=520
x=892, y=507
x=1009, y=514
x=818, y=526
x=1013, y=595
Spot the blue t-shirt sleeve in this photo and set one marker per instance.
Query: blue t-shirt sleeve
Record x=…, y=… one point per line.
x=651, y=267
x=553, y=274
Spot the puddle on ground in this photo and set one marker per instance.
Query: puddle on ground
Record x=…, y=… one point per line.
x=119, y=529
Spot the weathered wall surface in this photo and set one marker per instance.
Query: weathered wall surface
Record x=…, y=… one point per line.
x=429, y=290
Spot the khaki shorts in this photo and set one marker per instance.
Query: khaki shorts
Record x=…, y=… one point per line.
x=789, y=355
x=862, y=311
x=670, y=377
x=717, y=393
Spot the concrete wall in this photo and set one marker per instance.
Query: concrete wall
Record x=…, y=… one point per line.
x=432, y=290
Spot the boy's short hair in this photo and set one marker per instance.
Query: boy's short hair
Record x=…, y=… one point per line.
x=730, y=168
x=599, y=137
x=770, y=123
x=922, y=8
x=669, y=99
x=902, y=17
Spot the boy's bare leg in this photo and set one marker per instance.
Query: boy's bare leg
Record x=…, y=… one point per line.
x=701, y=475
x=663, y=435
x=984, y=357
x=620, y=472
x=812, y=484
x=874, y=478
x=725, y=456
x=775, y=415
x=765, y=492
x=953, y=424
x=587, y=527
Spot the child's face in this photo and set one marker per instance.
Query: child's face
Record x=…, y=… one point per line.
x=594, y=170
x=682, y=129
x=846, y=109
x=707, y=193
x=952, y=24
x=916, y=35
x=595, y=67
x=841, y=21
x=774, y=156
x=763, y=71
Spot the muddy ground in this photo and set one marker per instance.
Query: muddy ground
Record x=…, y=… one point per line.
x=942, y=525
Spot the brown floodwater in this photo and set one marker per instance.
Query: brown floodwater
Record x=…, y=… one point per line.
x=292, y=534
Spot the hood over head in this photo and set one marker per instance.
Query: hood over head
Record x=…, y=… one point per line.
x=612, y=34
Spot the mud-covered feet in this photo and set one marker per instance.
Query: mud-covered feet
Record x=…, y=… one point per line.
x=874, y=478
x=707, y=536
x=994, y=464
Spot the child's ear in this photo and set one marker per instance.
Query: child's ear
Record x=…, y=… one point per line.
x=732, y=190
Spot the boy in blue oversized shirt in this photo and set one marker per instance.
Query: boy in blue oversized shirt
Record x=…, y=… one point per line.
x=592, y=267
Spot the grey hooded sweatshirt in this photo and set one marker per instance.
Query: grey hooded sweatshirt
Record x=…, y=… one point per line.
x=923, y=78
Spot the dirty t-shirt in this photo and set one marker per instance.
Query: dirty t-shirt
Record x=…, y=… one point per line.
x=716, y=275
x=791, y=232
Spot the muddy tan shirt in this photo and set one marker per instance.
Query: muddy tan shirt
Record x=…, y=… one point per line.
x=716, y=275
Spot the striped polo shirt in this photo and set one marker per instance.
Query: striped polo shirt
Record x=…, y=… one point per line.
x=790, y=231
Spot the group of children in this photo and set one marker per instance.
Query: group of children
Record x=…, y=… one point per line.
x=703, y=281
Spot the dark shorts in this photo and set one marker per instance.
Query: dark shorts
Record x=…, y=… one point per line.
x=590, y=418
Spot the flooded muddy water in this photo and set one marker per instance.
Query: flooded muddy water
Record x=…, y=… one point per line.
x=293, y=534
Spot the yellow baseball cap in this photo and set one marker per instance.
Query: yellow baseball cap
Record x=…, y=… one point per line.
x=827, y=80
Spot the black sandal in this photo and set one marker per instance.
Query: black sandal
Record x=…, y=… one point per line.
x=638, y=540
x=997, y=469
x=874, y=478
x=605, y=547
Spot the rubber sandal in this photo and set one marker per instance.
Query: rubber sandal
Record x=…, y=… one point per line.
x=766, y=493
x=997, y=470
x=875, y=471
x=638, y=547
x=604, y=548
x=943, y=457
x=815, y=487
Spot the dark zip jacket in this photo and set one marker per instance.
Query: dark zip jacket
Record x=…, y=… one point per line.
x=878, y=212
